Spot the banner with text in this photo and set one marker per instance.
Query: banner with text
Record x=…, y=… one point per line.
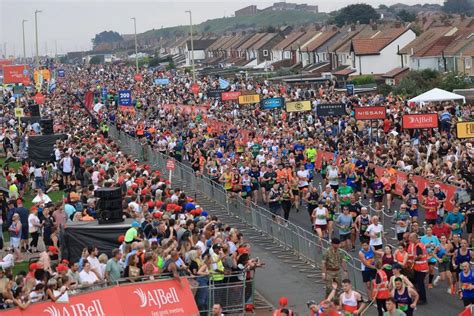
x=465, y=129
x=228, y=96
x=429, y=120
x=165, y=297
x=298, y=106
x=16, y=74
x=272, y=103
x=331, y=109
x=215, y=93
x=370, y=113
x=249, y=99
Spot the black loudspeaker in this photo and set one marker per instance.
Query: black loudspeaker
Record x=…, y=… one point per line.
x=34, y=110
x=47, y=126
x=109, y=205
x=108, y=193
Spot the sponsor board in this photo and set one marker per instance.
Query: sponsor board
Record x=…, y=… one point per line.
x=370, y=113
x=429, y=120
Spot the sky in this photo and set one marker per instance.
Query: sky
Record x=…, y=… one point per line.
x=69, y=25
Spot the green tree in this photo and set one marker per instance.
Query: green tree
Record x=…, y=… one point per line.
x=354, y=13
x=406, y=16
x=106, y=37
x=458, y=6
x=452, y=80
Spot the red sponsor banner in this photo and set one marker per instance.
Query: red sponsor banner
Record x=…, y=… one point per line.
x=5, y=62
x=157, y=298
x=97, y=303
x=370, y=113
x=15, y=74
x=429, y=120
x=227, y=96
x=187, y=109
x=165, y=297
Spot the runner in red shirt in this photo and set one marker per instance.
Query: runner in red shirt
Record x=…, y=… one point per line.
x=441, y=228
x=431, y=208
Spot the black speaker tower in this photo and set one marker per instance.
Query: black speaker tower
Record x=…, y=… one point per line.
x=109, y=206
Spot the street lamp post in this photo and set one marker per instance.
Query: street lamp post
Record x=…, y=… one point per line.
x=192, y=44
x=24, y=43
x=136, y=44
x=36, y=34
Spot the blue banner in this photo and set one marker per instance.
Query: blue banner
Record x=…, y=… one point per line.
x=125, y=98
x=61, y=73
x=350, y=89
x=162, y=81
x=272, y=103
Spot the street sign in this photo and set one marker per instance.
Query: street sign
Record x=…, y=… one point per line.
x=61, y=73
x=170, y=164
x=39, y=98
x=19, y=112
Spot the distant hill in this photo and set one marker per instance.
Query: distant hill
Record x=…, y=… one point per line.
x=259, y=21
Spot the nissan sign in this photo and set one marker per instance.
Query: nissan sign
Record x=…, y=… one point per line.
x=370, y=113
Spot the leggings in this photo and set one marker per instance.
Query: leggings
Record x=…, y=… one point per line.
x=34, y=239
x=381, y=307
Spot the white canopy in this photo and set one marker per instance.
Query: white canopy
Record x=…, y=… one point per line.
x=437, y=95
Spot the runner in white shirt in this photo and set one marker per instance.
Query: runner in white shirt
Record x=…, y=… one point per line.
x=320, y=219
x=375, y=233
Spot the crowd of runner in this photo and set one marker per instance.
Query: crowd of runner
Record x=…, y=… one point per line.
x=274, y=164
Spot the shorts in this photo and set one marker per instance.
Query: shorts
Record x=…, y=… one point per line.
x=378, y=199
x=469, y=228
x=389, y=191
x=400, y=236
x=369, y=275
x=322, y=227
x=334, y=186
x=24, y=232
x=274, y=208
x=443, y=266
x=413, y=213
x=295, y=192
x=303, y=188
x=67, y=174
x=431, y=222
x=15, y=242
x=344, y=237
x=378, y=247
x=255, y=187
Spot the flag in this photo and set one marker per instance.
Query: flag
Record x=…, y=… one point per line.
x=223, y=83
x=52, y=85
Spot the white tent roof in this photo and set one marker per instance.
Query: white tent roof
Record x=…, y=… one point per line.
x=437, y=95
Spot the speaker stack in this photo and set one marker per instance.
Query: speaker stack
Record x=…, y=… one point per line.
x=109, y=205
x=47, y=126
x=34, y=110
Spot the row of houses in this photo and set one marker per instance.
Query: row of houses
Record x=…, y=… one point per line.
x=349, y=50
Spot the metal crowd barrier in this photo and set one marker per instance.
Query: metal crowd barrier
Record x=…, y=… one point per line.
x=304, y=244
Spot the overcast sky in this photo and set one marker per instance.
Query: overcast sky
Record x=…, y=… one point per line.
x=70, y=24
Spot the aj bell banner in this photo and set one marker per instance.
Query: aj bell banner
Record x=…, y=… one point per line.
x=166, y=297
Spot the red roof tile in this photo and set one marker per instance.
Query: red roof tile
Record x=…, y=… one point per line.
x=290, y=39
x=395, y=72
x=344, y=72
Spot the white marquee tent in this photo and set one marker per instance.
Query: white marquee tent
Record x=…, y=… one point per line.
x=437, y=95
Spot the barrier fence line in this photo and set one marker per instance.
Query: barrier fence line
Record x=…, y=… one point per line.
x=304, y=244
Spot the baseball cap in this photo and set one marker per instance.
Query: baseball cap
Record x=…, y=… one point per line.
x=53, y=249
x=135, y=224
x=439, y=220
x=335, y=241
x=396, y=266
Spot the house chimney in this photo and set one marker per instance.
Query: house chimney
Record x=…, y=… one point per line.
x=358, y=22
x=317, y=26
x=374, y=26
x=334, y=28
x=423, y=20
x=353, y=27
x=447, y=23
x=463, y=17
x=398, y=24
